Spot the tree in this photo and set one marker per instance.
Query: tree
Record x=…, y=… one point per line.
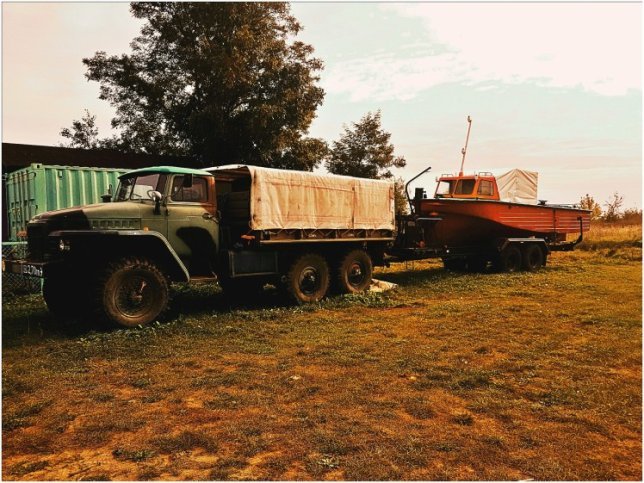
x=223, y=82
x=82, y=134
x=613, y=207
x=588, y=203
x=400, y=197
x=364, y=150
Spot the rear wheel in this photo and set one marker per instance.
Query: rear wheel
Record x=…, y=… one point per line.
x=354, y=272
x=533, y=257
x=509, y=259
x=132, y=291
x=308, y=279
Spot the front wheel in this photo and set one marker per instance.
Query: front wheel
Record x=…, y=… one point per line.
x=132, y=292
x=354, y=272
x=308, y=279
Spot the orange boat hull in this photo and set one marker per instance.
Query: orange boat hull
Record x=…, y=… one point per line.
x=470, y=222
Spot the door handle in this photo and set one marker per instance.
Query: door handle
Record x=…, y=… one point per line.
x=208, y=216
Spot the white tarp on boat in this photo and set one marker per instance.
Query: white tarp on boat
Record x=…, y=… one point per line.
x=283, y=199
x=518, y=186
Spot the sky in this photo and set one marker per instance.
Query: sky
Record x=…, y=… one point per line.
x=551, y=87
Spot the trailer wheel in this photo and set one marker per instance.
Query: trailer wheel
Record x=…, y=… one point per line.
x=308, y=279
x=509, y=259
x=132, y=291
x=533, y=258
x=354, y=272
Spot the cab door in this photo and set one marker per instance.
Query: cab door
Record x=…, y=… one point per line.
x=193, y=227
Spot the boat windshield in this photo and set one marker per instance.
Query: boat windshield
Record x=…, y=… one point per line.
x=137, y=187
x=465, y=187
x=444, y=188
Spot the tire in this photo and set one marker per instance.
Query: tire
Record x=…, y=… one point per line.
x=132, y=292
x=533, y=258
x=509, y=259
x=66, y=297
x=354, y=272
x=307, y=280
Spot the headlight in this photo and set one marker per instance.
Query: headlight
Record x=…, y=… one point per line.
x=64, y=245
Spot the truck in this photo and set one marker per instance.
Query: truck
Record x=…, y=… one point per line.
x=245, y=226
x=242, y=226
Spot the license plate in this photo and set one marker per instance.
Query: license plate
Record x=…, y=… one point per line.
x=31, y=270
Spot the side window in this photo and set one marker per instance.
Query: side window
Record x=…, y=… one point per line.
x=197, y=193
x=485, y=188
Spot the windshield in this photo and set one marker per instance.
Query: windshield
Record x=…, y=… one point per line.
x=464, y=187
x=137, y=187
x=444, y=188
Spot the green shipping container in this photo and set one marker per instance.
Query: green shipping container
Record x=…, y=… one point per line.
x=39, y=188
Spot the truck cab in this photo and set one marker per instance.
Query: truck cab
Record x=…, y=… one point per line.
x=181, y=205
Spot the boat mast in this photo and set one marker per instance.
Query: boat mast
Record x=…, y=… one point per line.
x=467, y=138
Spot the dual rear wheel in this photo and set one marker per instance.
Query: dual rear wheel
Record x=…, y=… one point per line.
x=309, y=277
x=530, y=257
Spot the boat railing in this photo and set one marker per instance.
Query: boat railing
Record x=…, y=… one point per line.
x=561, y=205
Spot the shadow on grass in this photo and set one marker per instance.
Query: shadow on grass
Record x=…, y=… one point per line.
x=411, y=277
x=26, y=318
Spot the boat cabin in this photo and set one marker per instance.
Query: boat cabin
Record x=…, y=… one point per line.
x=481, y=186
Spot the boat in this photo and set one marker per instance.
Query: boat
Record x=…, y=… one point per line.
x=479, y=208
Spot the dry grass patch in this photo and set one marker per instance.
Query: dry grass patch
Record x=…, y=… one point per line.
x=453, y=376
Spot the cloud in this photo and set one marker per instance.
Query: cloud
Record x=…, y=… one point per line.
x=595, y=47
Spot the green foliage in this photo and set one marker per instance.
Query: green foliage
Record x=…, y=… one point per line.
x=364, y=150
x=588, y=203
x=400, y=197
x=223, y=82
x=82, y=134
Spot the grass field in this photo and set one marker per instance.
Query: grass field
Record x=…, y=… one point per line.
x=451, y=376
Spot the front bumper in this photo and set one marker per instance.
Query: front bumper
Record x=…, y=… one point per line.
x=31, y=269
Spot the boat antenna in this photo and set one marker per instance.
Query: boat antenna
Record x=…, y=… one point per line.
x=467, y=138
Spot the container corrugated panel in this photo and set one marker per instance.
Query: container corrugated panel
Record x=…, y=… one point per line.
x=39, y=188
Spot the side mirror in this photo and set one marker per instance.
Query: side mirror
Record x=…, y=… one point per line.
x=107, y=197
x=187, y=181
x=157, y=197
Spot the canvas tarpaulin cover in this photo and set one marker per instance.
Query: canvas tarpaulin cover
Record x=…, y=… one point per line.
x=518, y=186
x=284, y=199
